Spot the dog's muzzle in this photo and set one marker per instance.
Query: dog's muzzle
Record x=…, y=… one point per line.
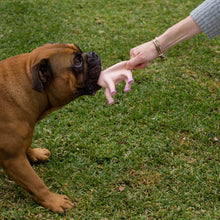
x=94, y=67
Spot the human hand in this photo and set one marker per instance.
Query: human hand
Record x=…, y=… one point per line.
x=114, y=75
x=142, y=56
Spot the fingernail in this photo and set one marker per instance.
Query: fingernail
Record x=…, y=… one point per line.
x=111, y=102
x=113, y=92
x=130, y=81
x=127, y=90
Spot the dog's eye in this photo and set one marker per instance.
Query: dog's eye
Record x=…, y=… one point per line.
x=78, y=61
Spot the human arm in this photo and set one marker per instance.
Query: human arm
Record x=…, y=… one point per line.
x=184, y=30
x=143, y=55
x=205, y=18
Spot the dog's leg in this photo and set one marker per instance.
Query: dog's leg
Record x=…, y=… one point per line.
x=38, y=155
x=22, y=173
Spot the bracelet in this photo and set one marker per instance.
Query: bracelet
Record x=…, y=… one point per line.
x=159, y=50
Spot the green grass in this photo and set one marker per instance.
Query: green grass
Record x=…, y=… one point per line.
x=154, y=154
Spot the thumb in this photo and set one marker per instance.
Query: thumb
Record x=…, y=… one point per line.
x=132, y=63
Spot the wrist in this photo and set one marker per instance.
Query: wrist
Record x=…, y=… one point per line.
x=164, y=42
x=159, y=49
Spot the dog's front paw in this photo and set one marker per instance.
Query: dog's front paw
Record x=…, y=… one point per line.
x=38, y=155
x=57, y=203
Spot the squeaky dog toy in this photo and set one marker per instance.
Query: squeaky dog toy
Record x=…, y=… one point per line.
x=114, y=75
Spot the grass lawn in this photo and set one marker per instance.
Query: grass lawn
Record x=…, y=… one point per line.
x=154, y=154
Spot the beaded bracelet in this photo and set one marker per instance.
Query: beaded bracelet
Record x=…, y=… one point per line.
x=159, y=50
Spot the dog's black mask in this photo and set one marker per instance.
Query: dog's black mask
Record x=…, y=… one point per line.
x=94, y=67
x=89, y=86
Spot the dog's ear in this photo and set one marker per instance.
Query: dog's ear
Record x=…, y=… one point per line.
x=41, y=75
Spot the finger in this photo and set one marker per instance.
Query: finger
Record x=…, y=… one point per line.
x=140, y=66
x=109, y=97
x=143, y=65
x=130, y=78
x=132, y=63
x=132, y=53
x=111, y=87
x=127, y=87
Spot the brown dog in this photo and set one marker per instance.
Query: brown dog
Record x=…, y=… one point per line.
x=31, y=86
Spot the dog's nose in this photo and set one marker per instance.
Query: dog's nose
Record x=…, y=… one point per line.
x=94, y=55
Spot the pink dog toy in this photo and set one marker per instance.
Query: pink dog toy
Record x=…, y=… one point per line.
x=114, y=75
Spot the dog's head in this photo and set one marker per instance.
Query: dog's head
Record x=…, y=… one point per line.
x=64, y=72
